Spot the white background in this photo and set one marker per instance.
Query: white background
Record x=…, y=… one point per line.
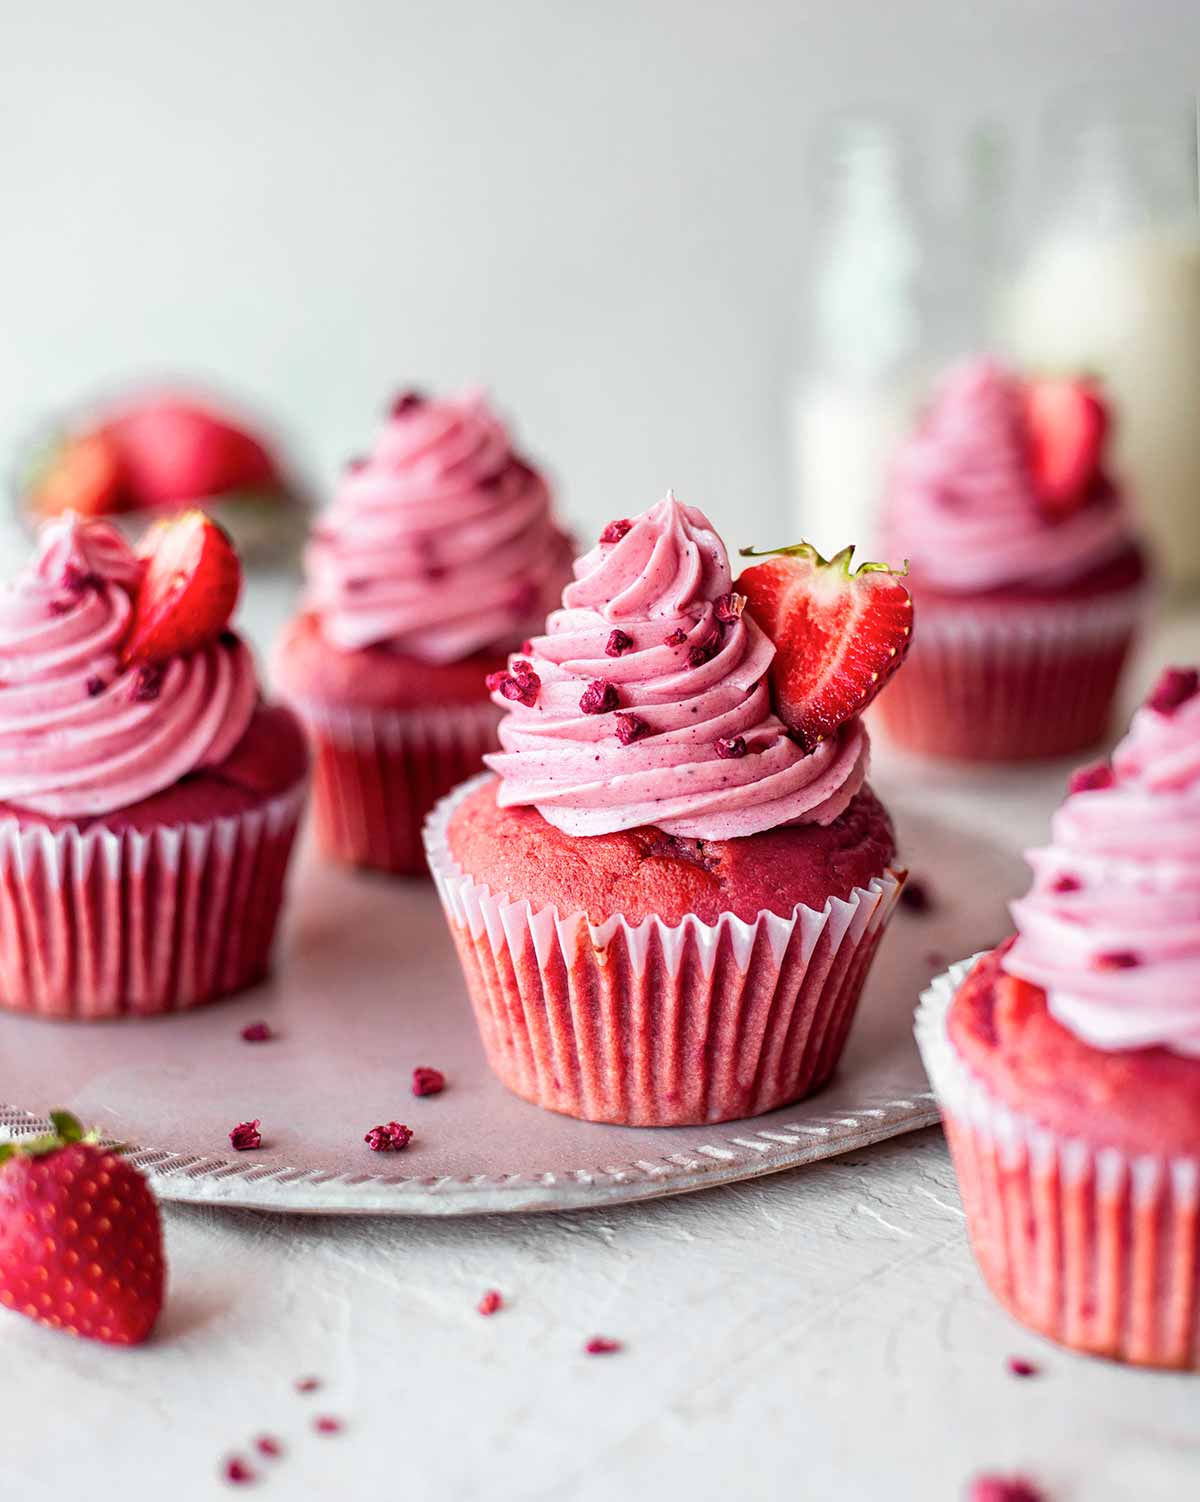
x=599, y=209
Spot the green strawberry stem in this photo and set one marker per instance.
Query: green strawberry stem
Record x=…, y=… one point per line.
x=840, y=561
x=67, y=1129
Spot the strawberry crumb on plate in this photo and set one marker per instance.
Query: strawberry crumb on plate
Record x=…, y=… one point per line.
x=428, y=1081
x=491, y=1302
x=325, y=1423
x=246, y=1136
x=391, y=1137
x=257, y=1032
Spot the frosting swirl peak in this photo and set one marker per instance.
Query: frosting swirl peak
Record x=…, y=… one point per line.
x=962, y=505
x=80, y=734
x=441, y=543
x=1111, y=927
x=646, y=700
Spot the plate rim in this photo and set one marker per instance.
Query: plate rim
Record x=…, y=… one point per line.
x=227, y=1183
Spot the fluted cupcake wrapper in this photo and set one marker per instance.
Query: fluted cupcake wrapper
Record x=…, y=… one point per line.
x=102, y=923
x=650, y=1024
x=989, y=683
x=1088, y=1245
x=377, y=774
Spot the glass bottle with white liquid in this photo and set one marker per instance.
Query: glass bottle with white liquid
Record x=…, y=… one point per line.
x=1112, y=284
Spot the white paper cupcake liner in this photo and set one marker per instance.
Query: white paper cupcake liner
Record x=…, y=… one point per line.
x=100, y=923
x=1088, y=1245
x=1012, y=683
x=377, y=773
x=650, y=1024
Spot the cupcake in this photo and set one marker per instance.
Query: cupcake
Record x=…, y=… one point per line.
x=437, y=556
x=148, y=798
x=665, y=900
x=1027, y=574
x=1067, y=1061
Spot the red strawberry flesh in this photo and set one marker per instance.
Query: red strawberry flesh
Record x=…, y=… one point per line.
x=188, y=592
x=839, y=634
x=1067, y=424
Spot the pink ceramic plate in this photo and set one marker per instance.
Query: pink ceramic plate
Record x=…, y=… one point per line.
x=367, y=987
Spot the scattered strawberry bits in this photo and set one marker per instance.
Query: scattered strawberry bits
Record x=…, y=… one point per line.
x=1116, y=959
x=392, y=1137
x=268, y=1445
x=1175, y=687
x=618, y=642
x=731, y=748
x=1004, y=1489
x=915, y=896
x=246, y=1136
x=1020, y=1367
x=325, y=1423
x=602, y=1345
x=630, y=728
x=615, y=531
x=238, y=1473
x=599, y=697
x=428, y=1081
x=308, y=1384
x=490, y=1303
x=1091, y=779
x=257, y=1032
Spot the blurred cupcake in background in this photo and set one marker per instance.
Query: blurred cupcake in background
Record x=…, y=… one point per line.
x=1025, y=565
x=437, y=556
x=1067, y=1061
x=668, y=898
x=141, y=455
x=148, y=797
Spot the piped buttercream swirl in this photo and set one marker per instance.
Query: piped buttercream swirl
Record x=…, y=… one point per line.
x=441, y=543
x=80, y=735
x=962, y=506
x=1111, y=927
x=646, y=701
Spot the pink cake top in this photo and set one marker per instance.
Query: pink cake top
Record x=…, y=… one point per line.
x=1111, y=927
x=80, y=733
x=646, y=701
x=963, y=505
x=441, y=543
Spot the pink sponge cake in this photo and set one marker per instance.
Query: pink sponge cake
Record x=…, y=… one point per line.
x=1067, y=1062
x=148, y=799
x=664, y=904
x=1024, y=565
x=436, y=557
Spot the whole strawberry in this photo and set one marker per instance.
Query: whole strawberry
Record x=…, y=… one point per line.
x=80, y=1241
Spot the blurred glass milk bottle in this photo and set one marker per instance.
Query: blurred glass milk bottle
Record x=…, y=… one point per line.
x=857, y=384
x=1112, y=284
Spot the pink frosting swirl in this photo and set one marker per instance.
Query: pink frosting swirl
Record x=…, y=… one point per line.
x=79, y=734
x=442, y=543
x=1111, y=927
x=961, y=504
x=646, y=701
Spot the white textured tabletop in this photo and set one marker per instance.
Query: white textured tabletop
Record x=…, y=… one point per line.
x=820, y=1334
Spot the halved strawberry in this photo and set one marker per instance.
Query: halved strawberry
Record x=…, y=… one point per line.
x=82, y=474
x=839, y=633
x=1067, y=423
x=176, y=452
x=189, y=590
x=80, y=1241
